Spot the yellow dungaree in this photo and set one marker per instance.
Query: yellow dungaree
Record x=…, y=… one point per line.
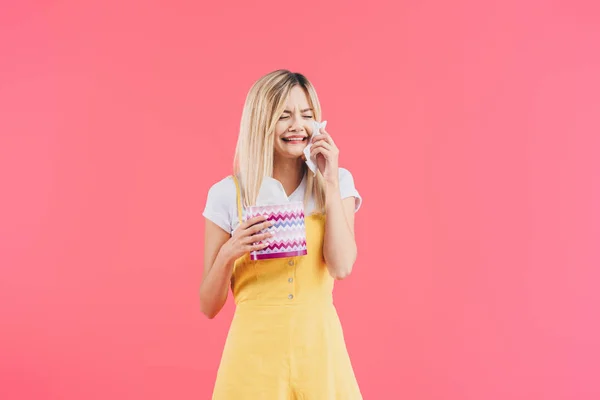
x=285, y=340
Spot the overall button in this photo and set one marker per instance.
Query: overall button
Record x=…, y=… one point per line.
x=291, y=262
x=290, y=280
x=290, y=296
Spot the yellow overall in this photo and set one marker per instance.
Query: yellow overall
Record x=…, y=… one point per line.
x=285, y=340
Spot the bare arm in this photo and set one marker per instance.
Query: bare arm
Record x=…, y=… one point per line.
x=339, y=245
x=217, y=271
x=220, y=252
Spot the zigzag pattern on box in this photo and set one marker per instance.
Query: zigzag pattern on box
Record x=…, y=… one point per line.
x=293, y=207
x=281, y=215
x=288, y=225
x=289, y=230
x=280, y=245
x=287, y=243
x=292, y=215
x=284, y=235
x=282, y=249
x=278, y=217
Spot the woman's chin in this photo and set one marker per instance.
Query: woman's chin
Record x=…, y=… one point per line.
x=289, y=155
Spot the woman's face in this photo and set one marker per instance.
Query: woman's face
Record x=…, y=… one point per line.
x=294, y=126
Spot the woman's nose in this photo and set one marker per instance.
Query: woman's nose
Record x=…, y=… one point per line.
x=297, y=125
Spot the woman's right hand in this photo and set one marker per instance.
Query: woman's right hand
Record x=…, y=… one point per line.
x=246, y=238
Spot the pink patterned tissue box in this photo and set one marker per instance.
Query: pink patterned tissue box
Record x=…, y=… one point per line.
x=289, y=231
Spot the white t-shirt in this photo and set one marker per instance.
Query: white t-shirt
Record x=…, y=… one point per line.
x=221, y=202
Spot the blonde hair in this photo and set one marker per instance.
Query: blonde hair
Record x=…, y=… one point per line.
x=264, y=105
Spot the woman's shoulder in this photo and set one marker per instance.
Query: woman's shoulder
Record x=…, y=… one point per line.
x=221, y=203
x=223, y=188
x=346, y=178
x=345, y=174
x=348, y=187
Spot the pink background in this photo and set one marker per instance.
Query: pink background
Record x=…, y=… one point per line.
x=479, y=250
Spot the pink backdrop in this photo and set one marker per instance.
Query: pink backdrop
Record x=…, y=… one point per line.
x=479, y=250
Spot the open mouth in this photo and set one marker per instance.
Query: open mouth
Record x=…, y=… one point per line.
x=295, y=139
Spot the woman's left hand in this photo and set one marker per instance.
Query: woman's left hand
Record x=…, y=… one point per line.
x=326, y=155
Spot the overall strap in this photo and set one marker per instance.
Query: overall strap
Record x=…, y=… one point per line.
x=239, y=198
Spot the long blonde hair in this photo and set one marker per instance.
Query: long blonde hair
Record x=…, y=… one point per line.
x=264, y=105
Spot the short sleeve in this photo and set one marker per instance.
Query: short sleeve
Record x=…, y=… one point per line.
x=221, y=204
x=347, y=188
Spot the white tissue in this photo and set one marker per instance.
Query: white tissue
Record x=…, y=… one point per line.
x=271, y=192
x=310, y=161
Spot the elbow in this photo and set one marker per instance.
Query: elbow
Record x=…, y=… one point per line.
x=206, y=311
x=209, y=312
x=341, y=275
x=209, y=315
x=341, y=271
x=341, y=268
x=209, y=308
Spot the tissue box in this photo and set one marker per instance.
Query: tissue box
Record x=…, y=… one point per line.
x=289, y=231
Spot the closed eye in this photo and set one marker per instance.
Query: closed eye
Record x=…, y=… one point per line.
x=287, y=116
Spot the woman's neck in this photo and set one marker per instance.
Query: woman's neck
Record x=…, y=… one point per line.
x=289, y=172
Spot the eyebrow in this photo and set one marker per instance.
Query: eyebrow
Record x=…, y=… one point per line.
x=302, y=111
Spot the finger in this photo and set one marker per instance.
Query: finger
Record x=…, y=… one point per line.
x=321, y=147
x=324, y=152
x=322, y=138
x=257, y=228
x=252, y=221
x=256, y=238
x=321, y=144
x=325, y=143
x=256, y=247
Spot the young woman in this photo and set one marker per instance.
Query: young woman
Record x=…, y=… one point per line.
x=285, y=340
